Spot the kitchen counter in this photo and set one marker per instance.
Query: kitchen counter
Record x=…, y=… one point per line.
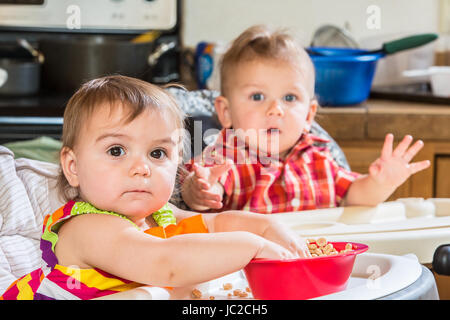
x=374, y=118
x=360, y=131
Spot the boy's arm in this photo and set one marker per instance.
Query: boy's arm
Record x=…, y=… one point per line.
x=386, y=173
x=365, y=191
x=201, y=189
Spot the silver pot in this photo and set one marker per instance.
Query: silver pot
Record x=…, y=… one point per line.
x=20, y=75
x=71, y=61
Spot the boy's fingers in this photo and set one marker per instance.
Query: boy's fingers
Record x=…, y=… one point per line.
x=419, y=166
x=201, y=183
x=210, y=196
x=212, y=204
x=199, y=171
x=400, y=150
x=411, y=152
x=374, y=169
x=386, y=151
x=218, y=170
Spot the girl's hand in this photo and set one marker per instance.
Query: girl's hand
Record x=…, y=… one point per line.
x=201, y=190
x=272, y=250
x=287, y=238
x=394, y=167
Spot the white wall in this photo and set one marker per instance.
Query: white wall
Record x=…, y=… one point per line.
x=223, y=20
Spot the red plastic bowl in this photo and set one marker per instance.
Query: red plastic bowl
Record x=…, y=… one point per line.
x=303, y=278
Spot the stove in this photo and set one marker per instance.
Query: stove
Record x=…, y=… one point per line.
x=25, y=117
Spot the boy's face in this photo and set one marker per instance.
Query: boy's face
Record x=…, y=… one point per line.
x=272, y=98
x=126, y=168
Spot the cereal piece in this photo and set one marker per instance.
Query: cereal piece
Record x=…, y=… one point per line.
x=212, y=298
x=196, y=294
x=243, y=294
x=321, y=247
x=248, y=289
x=237, y=292
x=327, y=249
x=321, y=242
x=230, y=295
x=227, y=286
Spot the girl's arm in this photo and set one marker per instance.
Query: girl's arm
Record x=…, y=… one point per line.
x=229, y=220
x=113, y=245
x=256, y=223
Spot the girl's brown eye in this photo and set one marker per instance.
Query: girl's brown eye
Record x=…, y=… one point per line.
x=116, y=151
x=158, y=154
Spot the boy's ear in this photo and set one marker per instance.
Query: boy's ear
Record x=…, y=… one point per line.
x=69, y=166
x=223, y=111
x=312, y=111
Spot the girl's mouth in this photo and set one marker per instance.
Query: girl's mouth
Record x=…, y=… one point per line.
x=138, y=191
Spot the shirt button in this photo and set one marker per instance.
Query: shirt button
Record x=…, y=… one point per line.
x=295, y=202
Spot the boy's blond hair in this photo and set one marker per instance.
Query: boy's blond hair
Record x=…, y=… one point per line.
x=262, y=42
x=134, y=95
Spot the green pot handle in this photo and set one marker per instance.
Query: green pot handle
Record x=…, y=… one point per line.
x=408, y=42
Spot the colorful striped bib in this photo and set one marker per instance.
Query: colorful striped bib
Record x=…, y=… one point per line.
x=54, y=281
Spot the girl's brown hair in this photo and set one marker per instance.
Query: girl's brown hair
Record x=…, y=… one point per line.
x=263, y=42
x=133, y=94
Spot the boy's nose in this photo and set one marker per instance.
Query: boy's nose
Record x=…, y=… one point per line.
x=141, y=168
x=275, y=109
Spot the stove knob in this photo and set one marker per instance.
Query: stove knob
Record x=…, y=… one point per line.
x=441, y=260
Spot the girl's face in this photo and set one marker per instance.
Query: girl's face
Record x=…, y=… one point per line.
x=126, y=168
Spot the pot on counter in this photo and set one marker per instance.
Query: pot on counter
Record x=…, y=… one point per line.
x=20, y=69
x=73, y=60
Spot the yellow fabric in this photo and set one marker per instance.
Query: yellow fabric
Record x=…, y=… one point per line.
x=25, y=291
x=92, y=278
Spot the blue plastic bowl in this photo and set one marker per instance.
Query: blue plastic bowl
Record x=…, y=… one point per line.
x=342, y=76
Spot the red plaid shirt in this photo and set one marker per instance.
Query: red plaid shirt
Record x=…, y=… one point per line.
x=308, y=178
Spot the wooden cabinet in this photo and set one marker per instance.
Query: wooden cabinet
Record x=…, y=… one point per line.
x=442, y=176
x=360, y=132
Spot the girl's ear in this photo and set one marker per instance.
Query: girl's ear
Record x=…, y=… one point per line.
x=69, y=166
x=223, y=111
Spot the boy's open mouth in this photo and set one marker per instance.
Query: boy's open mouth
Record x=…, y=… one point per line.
x=271, y=131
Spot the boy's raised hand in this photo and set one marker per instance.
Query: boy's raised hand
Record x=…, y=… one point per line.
x=394, y=167
x=201, y=190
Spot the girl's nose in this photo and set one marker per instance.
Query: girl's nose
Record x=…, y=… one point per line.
x=141, y=168
x=275, y=109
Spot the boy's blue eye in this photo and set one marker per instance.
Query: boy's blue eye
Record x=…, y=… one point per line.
x=116, y=151
x=257, y=96
x=158, y=154
x=290, y=98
